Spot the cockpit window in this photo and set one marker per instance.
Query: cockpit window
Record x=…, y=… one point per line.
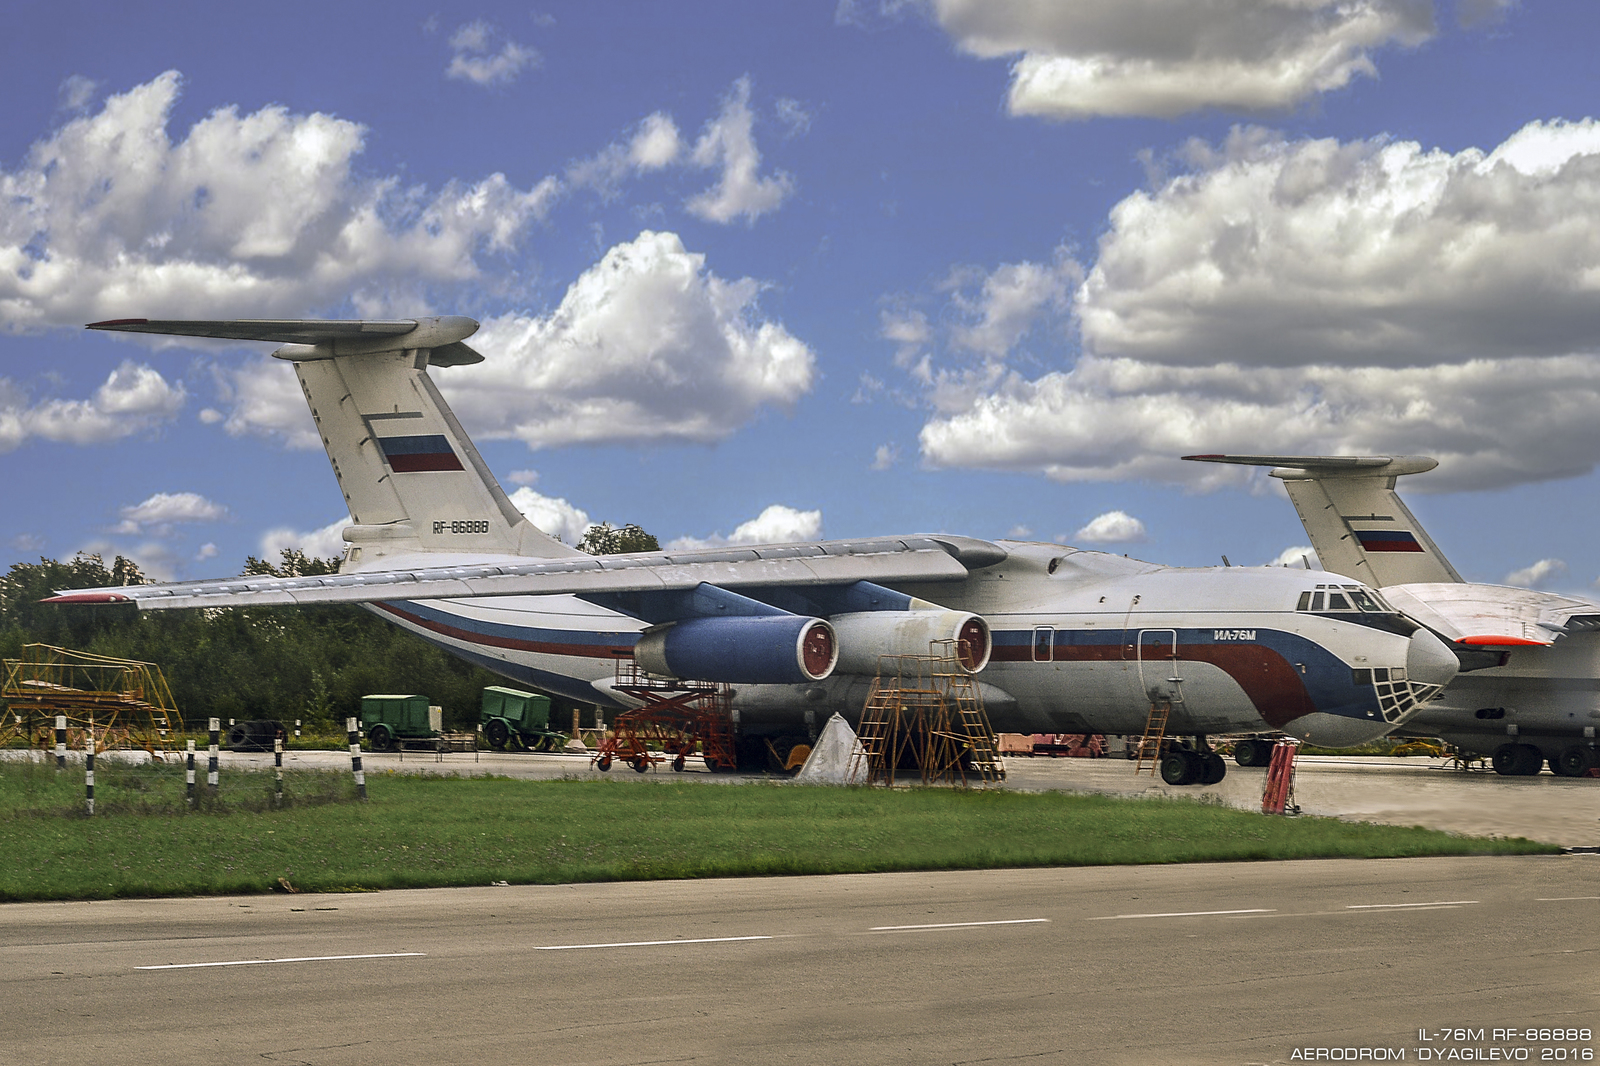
x=1343, y=598
x=1363, y=601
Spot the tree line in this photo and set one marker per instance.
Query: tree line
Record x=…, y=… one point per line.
x=285, y=663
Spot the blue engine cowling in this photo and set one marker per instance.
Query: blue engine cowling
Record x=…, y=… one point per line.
x=783, y=649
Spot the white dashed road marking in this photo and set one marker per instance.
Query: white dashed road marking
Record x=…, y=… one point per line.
x=956, y=925
x=1183, y=914
x=267, y=962
x=651, y=943
x=1397, y=906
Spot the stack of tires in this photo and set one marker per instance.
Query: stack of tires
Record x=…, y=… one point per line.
x=254, y=736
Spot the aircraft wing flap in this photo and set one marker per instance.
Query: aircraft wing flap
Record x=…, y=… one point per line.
x=842, y=562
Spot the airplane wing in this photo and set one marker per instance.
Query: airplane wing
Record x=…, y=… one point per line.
x=1494, y=616
x=839, y=562
x=1356, y=521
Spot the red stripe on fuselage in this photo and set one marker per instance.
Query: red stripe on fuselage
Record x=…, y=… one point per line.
x=1270, y=681
x=413, y=463
x=577, y=651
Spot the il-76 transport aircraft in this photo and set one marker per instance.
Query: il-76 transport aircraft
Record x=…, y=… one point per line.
x=1067, y=640
x=1529, y=688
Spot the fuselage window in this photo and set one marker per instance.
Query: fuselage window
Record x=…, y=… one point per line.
x=1043, y=639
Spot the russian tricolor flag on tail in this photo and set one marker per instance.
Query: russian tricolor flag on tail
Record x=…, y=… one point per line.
x=1387, y=540
x=425, y=452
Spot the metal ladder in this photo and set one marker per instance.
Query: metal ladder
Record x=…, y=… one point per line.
x=1155, y=734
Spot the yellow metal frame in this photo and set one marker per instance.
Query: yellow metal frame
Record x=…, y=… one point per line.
x=122, y=702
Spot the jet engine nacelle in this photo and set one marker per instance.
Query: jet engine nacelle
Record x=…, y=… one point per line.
x=782, y=649
x=865, y=635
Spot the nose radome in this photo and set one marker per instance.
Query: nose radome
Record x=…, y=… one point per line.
x=1429, y=661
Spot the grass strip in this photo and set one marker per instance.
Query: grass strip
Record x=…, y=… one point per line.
x=421, y=831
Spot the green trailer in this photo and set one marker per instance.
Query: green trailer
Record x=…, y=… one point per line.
x=518, y=718
x=389, y=720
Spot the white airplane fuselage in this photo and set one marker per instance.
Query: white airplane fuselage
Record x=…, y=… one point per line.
x=1082, y=642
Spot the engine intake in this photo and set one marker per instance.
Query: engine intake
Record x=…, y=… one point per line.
x=865, y=635
x=783, y=649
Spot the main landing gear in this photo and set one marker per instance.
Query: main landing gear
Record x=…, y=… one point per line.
x=1526, y=760
x=1198, y=765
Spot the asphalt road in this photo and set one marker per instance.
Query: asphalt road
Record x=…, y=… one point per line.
x=1244, y=963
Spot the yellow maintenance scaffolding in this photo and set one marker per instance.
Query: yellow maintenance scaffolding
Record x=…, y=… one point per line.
x=125, y=703
x=925, y=712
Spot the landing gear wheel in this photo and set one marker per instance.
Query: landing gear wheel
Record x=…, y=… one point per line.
x=1180, y=767
x=1517, y=760
x=1573, y=762
x=496, y=733
x=1252, y=753
x=603, y=763
x=1213, y=768
x=380, y=738
x=640, y=763
x=678, y=764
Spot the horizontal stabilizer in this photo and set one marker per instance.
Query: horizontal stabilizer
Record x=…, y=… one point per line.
x=1325, y=466
x=1357, y=523
x=324, y=338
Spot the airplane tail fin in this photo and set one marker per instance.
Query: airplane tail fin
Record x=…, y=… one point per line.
x=1356, y=521
x=412, y=478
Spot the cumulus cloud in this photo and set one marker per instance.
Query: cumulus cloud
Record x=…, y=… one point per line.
x=478, y=55
x=1167, y=57
x=325, y=543
x=158, y=513
x=778, y=524
x=1299, y=557
x=552, y=514
x=1113, y=527
x=1010, y=301
x=133, y=398
x=886, y=456
x=647, y=345
x=728, y=142
x=76, y=92
x=653, y=144
x=1322, y=298
x=1537, y=575
x=109, y=215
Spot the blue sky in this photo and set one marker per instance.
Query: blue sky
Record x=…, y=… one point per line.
x=788, y=271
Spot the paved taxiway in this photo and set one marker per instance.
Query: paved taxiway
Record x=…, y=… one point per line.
x=1240, y=963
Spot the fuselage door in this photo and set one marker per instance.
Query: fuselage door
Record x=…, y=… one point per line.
x=1159, y=669
x=1044, y=643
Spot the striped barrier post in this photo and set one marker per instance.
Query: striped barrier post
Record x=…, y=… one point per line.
x=277, y=762
x=61, y=742
x=211, y=764
x=355, y=758
x=88, y=771
x=188, y=776
x=297, y=729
